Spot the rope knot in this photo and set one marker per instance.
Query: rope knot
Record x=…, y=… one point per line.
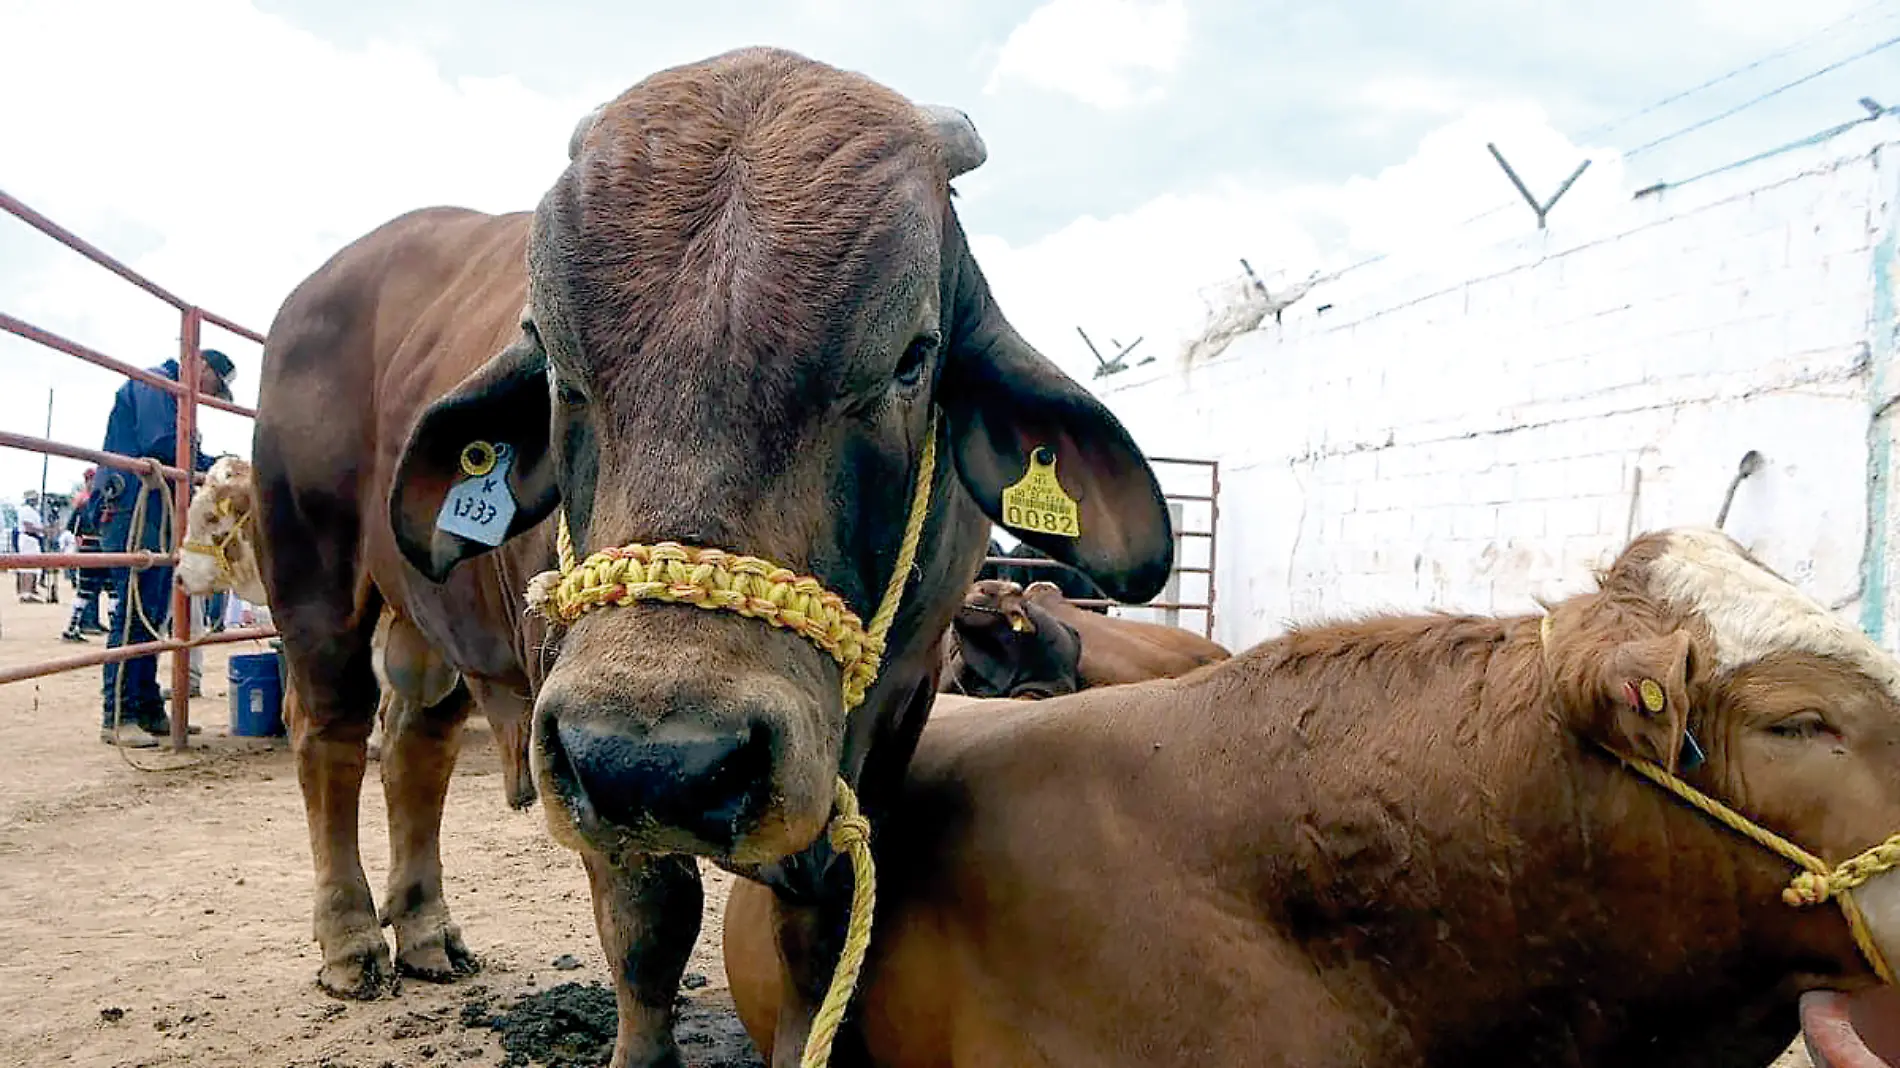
x=1807, y=888
x=850, y=832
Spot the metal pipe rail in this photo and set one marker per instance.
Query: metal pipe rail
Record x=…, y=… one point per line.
x=129, y=652
x=27, y=443
x=180, y=474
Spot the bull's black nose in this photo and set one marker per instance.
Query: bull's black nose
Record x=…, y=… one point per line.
x=712, y=785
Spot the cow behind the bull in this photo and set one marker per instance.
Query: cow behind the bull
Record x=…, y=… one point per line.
x=220, y=551
x=221, y=554
x=738, y=321
x=1008, y=641
x=1407, y=840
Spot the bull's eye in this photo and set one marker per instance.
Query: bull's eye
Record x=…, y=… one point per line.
x=916, y=356
x=569, y=394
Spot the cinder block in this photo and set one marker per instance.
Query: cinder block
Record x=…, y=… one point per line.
x=1494, y=485
x=1572, y=517
x=1521, y=521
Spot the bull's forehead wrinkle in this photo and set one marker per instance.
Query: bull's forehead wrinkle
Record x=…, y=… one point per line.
x=1753, y=614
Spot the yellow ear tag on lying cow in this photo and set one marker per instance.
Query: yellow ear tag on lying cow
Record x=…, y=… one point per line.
x=1652, y=695
x=481, y=506
x=1038, y=503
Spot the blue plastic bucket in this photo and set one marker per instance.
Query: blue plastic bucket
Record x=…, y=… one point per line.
x=257, y=695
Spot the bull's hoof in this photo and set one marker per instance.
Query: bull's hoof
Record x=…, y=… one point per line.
x=364, y=975
x=438, y=957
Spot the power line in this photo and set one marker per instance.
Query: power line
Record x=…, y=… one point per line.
x=1852, y=16
x=1824, y=31
x=1746, y=104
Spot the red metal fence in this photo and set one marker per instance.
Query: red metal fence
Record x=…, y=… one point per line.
x=1182, y=535
x=179, y=474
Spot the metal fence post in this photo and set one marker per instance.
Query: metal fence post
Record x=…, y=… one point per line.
x=181, y=496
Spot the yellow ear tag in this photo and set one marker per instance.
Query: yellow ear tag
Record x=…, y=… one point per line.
x=1652, y=695
x=1038, y=503
x=478, y=458
x=1018, y=624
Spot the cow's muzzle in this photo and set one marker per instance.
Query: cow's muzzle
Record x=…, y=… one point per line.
x=638, y=764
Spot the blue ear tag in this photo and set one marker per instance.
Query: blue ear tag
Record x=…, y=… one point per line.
x=1692, y=756
x=480, y=507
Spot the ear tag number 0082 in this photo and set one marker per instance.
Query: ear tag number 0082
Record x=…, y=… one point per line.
x=1038, y=503
x=480, y=506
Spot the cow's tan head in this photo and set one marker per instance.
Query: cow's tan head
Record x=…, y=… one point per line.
x=1697, y=657
x=749, y=296
x=220, y=551
x=1010, y=646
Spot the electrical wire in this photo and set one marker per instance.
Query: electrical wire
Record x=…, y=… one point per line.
x=1753, y=101
x=1853, y=16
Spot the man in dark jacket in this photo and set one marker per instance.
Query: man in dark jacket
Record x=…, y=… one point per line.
x=144, y=423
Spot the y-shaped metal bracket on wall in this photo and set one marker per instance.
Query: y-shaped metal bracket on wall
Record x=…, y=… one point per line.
x=1543, y=209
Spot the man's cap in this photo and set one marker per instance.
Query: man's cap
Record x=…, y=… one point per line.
x=222, y=363
x=226, y=371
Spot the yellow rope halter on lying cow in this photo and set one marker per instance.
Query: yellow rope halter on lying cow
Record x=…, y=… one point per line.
x=762, y=590
x=1817, y=882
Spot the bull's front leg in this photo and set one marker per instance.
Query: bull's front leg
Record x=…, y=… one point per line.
x=331, y=756
x=647, y=911
x=811, y=940
x=420, y=746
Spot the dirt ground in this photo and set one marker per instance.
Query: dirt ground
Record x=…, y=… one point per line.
x=160, y=915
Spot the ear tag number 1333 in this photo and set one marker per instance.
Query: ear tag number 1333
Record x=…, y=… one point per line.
x=480, y=506
x=1038, y=503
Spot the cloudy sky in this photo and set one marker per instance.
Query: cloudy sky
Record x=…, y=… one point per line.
x=1138, y=148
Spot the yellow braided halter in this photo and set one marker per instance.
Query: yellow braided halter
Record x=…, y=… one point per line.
x=762, y=590
x=1817, y=882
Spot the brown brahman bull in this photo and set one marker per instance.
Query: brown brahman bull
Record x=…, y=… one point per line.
x=1008, y=641
x=739, y=345
x=1403, y=841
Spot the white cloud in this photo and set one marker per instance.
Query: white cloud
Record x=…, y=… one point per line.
x=242, y=151
x=1102, y=52
x=294, y=146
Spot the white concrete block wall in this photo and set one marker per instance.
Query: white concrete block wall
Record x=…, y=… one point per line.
x=1474, y=442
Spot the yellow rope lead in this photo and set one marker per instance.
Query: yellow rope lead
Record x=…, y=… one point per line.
x=1817, y=883
x=762, y=590
x=850, y=835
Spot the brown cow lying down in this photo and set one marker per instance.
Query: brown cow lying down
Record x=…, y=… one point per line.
x=221, y=554
x=1401, y=841
x=1000, y=645
x=1011, y=641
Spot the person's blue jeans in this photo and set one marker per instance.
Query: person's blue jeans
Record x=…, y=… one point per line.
x=134, y=682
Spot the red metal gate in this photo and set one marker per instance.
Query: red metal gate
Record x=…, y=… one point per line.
x=179, y=474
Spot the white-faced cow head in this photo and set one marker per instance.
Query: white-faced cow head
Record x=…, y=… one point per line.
x=1695, y=657
x=220, y=551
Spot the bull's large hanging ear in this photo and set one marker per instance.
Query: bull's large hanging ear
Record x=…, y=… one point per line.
x=1041, y=456
x=1630, y=692
x=485, y=442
